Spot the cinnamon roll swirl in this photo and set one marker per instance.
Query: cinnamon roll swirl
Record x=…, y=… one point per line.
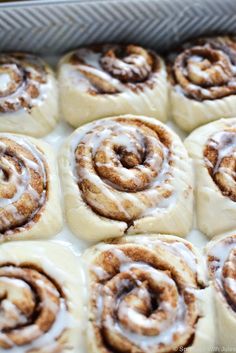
x=39, y=299
x=221, y=255
x=202, y=76
x=107, y=80
x=29, y=190
x=126, y=175
x=147, y=294
x=213, y=149
x=28, y=95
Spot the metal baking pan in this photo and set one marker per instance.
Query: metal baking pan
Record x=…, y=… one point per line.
x=54, y=27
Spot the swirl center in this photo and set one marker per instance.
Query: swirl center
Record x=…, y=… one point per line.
x=149, y=303
x=11, y=78
x=29, y=304
x=204, y=71
x=119, y=165
x=141, y=301
x=20, y=79
x=23, y=183
x=129, y=64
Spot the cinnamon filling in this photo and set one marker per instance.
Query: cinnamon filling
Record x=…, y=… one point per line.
x=140, y=301
x=112, y=68
x=21, y=76
x=30, y=302
x=23, y=184
x=219, y=154
x=205, y=69
x=128, y=64
x=124, y=168
x=222, y=268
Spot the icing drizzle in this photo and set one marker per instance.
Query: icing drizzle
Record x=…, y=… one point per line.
x=23, y=183
x=110, y=69
x=123, y=168
x=142, y=301
x=22, y=81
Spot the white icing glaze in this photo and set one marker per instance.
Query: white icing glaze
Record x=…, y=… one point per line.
x=63, y=321
x=221, y=251
x=165, y=337
x=42, y=87
x=178, y=248
x=63, y=318
x=91, y=65
x=104, y=76
x=5, y=79
x=21, y=180
x=224, y=150
x=199, y=76
x=174, y=323
x=119, y=134
x=232, y=284
x=184, y=252
x=200, y=73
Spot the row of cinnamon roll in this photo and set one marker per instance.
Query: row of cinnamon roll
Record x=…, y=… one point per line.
x=121, y=176
x=135, y=294
x=195, y=84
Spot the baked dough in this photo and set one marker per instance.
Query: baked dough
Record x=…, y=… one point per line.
x=109, y=80
x=128, y=174
x=203, y=81
x=41, y=298
x=221, y=253
x=213, y=149
x=148, y=294
x=28, y=95
x=29, y=189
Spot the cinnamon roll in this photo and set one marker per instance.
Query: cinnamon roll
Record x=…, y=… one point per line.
x=39, y=298
x=221, y=255
x=29, y=189
x=202, y=76
x=28, y=95
x=213, y=149
x=147, y=294
x=126, y=174
x=109, y=80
